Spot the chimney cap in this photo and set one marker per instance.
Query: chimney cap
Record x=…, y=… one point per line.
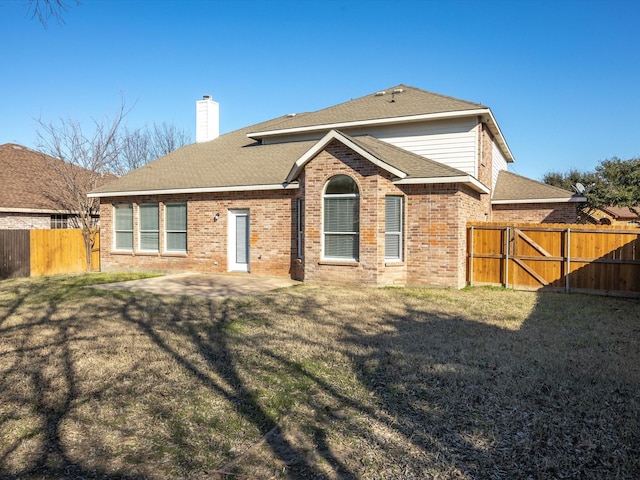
x=206, y=97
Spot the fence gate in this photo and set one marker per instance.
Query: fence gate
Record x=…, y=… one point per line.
x=558, y=257
x=15, y=255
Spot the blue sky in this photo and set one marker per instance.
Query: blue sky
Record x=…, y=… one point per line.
x=562, y=77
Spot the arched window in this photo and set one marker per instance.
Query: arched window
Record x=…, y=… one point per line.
x=341, y=219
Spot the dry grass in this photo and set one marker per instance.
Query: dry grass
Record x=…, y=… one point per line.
x=313, y=382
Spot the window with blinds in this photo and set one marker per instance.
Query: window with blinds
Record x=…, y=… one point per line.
x=341, y=219
x=148, y=227
x=123, y=227
x=393, y=228
x=175, y=227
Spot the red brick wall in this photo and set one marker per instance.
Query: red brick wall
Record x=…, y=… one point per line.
x=338, y=159
x=536, y=213
x=435, y=225
x=434, y=229
x=436, y=233
x=272, y=239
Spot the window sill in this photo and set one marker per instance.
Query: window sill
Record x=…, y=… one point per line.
x=340, y=263
x=174, y=254
x=122, y=252
x=394, y=263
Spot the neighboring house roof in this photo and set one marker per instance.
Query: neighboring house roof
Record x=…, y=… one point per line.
x=512, y=188
x=622, y=213
x=29, y=181
x=240, y=160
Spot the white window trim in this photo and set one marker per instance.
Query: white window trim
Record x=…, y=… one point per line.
x=324, y=257
x=399, y=234
x=166, y=231
x=115, y=230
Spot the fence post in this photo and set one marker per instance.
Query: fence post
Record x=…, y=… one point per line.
x=567, y=272
x=506, y=263
x=471, y=258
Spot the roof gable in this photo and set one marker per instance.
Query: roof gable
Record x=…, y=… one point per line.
x=326, y=140
x=407, y=167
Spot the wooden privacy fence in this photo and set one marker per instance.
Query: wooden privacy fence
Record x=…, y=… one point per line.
x=571, y=258
x=26, y=253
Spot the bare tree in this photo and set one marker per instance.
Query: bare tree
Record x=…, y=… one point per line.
x=139, y=147
x=96, y=154
x=44, y=10
x=88, y=160
x=165, y=138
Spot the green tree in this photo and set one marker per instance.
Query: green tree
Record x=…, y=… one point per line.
x=613, y=182
x=619, y=183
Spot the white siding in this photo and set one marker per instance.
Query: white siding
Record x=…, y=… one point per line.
x=498, y=162
x=452, y=142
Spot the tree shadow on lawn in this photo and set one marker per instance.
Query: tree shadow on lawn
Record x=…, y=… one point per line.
x=406, y=384
x=457, y=396
x=557, y=397
x=46, y=389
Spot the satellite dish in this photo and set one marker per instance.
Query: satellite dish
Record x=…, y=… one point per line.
x=580, y=188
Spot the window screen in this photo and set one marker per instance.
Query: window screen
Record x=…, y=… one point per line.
x=123, y=227
x=393, y=228
x=149, y=227
x=176, y=227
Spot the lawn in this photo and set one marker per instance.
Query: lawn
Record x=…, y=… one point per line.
x=316, y=382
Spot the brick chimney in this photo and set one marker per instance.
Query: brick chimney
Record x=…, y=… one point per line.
x=207, y=119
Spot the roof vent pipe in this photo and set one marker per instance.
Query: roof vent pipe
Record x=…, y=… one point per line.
x=207, y=119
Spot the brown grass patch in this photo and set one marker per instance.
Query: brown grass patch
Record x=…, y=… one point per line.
x=312, y=382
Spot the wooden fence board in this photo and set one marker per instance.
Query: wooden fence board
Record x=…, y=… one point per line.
x=14, y=253
x=561, y=257
x=61, y=251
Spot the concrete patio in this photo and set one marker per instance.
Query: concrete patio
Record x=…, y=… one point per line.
x=216, y=286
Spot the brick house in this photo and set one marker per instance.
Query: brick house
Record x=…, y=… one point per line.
x=376, y=190
x=33, y=193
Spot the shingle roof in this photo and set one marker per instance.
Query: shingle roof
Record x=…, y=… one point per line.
x=235, y=160
x=29, y=180
x=409, y=102
x=511, y=187
x=412, y=164
x=230, y=160
x=622, y=213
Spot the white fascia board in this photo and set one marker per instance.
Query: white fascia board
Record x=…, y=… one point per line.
x=541, y=200
x=335, y=135
x=174, y=191
x=466, y=179
x=489, y=115
x=36, y=210
x=377, y=121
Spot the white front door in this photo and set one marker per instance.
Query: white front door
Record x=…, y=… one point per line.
x=238, y=245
